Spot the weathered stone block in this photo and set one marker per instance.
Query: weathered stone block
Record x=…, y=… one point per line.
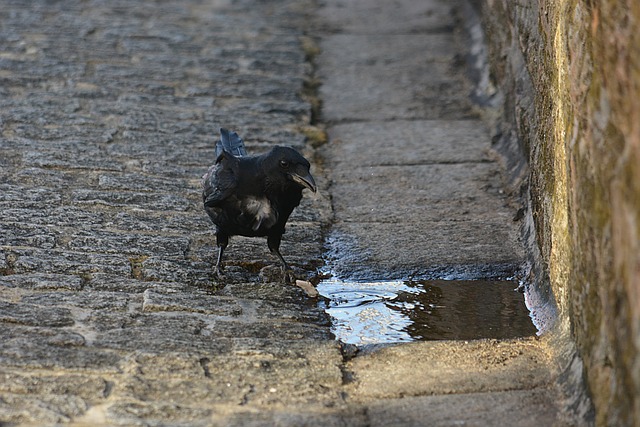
x=128, y=243
x=64, y=262
x=176, y=270
x=20, y=334
x=60, y=216
x=89, y=388
x=161, y=201
x=52, y=409
x=238, y=378
x=424, y=142
x=109, y=282
x=69, y=158
x=49, y=350
x=156, y=414
x=420, y=86
x=406, y=18
x=443, y=367
x=177, y=333
x=278, y=310
x=264, y=291
x=525, y=408
x=53, y=180
x=138, y=182
x=33, y=315
x=277, y=329
x=17, y=234
x=171, y=300
x=168, y=222
x=369, y=250
x=19, y=195
x=43, y=281
x=111, y=301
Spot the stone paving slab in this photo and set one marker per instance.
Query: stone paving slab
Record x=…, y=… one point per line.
x=379, y=251
x=451, y=367
x=421, y=186
x=411, y=142
x=523, y=408
x=414, y=77
x=427, y=16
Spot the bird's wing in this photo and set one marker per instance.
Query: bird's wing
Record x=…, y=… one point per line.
x=221, y=180
x=231, y=143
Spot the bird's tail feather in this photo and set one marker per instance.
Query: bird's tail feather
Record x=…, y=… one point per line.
x=231, y=143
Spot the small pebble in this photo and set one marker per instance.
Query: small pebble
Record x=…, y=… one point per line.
x=308, y=288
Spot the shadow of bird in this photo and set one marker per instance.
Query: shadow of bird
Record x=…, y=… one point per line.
x=253, y=196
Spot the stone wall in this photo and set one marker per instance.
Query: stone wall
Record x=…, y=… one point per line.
x=569, y=72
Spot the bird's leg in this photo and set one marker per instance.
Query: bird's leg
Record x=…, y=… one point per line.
x=287, y=272
x=273, y=242
x=219, y=266
x=222, y=241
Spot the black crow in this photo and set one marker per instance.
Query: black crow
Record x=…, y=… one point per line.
x=253, y=195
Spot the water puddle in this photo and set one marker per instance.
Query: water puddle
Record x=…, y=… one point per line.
x=414, y=310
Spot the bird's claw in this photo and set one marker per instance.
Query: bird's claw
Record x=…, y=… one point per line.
x=220, y=273
x=288, y=276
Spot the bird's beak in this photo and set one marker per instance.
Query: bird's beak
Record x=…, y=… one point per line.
x=305, y=181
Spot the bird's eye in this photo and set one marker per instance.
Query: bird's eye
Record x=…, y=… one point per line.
x=284, y=164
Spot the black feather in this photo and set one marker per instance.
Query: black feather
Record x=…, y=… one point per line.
x=231, y=143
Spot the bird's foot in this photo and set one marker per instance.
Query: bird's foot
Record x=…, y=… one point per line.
x=270, y=273
x=274, y=273
x=220, y=273
x=288, y=276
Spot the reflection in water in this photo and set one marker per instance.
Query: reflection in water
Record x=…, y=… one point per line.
x=401, y=311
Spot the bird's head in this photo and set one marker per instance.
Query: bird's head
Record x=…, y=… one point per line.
x=285, y=163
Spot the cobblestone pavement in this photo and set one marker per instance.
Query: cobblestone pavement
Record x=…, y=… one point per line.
x=108, y=305
x=110, y=313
